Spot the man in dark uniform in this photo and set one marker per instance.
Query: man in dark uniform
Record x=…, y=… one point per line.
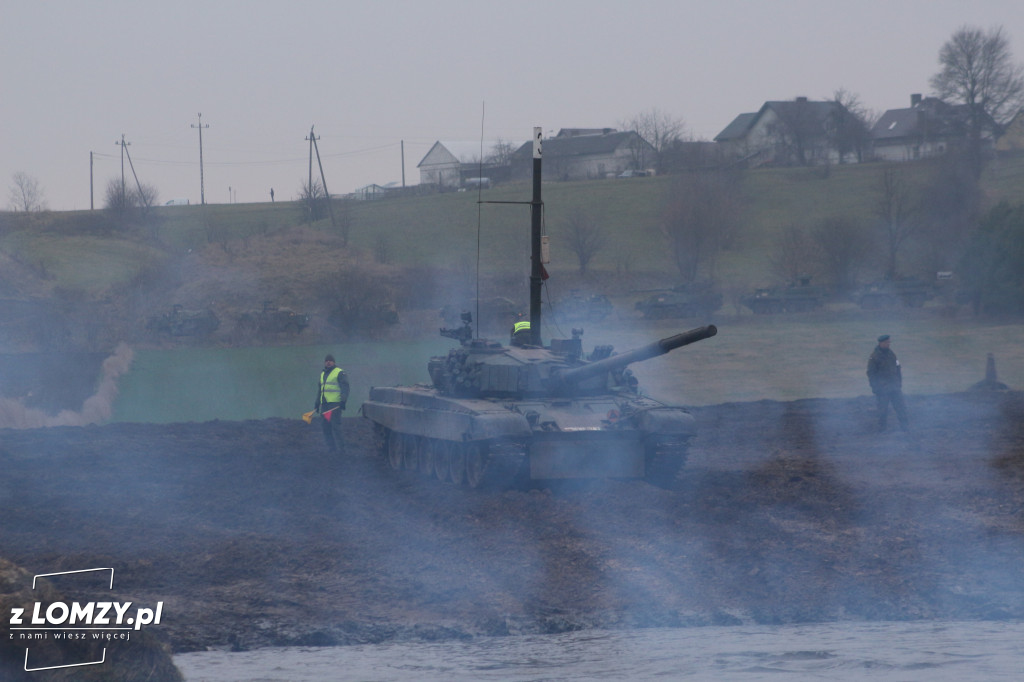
x=886, y=379
x=330, y=402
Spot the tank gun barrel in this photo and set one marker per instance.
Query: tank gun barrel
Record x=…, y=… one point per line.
x=638, y=354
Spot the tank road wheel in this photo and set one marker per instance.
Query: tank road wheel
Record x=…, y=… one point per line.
x=410, y=452
x=476, y=464
x=425, y=456
x=663, y=462
x=394, y=446
x=442, y=459
x=380, y=440
x=457, y=463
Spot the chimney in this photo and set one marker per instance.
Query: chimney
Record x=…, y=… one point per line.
x=915, y=99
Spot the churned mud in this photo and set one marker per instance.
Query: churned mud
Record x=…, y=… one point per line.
x=252, y=535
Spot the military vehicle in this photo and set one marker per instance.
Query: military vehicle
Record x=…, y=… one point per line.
x=498, y=416
x=911, y=292
x=684, y=300
x=181, y=322
x=272, y=320
x=799, y=297
x=360, y=315
x=577, y=307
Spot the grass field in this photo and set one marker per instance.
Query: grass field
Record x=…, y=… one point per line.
x=788, y=357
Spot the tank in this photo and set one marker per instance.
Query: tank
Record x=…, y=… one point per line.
x=498, y=415
x=684, y=300
x=272, y=320
x=911, y=292
x=799, y=297
x=501, y=416
x=579, y=307
x=181, y=322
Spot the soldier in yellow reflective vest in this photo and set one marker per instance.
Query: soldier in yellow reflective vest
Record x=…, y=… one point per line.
x=521, y=335
x=331, y=396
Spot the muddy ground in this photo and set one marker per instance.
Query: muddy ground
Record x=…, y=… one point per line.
x=252, y=535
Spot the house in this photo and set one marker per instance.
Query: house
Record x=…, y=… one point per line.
x=586, y=153
x=450, y=164
x=927, y=128
x=1012, y=139
x=791, y=132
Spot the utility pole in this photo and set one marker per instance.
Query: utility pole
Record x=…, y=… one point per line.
x=124, y=146
x=323, y=180
x=92, y=206
x=202, y=185
x=403, y=164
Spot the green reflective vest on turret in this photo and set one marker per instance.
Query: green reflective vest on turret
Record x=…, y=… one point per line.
x=520, y=327
x=330, y=386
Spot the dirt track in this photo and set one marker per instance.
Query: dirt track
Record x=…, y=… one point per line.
x=787, y=512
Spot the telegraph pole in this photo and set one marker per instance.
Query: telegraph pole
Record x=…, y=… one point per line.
x=202, y=185
x=92, y=206
x=323, y=180
x=124, y=146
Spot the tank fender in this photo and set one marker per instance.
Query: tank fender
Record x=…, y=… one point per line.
x=666, y=421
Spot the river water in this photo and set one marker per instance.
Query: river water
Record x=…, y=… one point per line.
x=933, y=651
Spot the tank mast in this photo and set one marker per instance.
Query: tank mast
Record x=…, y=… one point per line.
x=537, y=269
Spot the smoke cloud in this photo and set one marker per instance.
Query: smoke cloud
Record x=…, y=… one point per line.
x=96, y=408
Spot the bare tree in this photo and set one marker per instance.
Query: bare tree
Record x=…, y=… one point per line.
x=978, y=71
x=26, y=194
x=120, y=199
x=501, y=153
x=344, y=218
x=795, y=131
x=660, y=130
x=849, y=128
x=701, y=219
x=896, y=219
x=583, y=237
x=313, y=200
x=795, y=255
x=844, y=248
x=950, y=206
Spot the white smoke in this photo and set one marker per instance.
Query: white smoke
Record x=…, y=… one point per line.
x=97, y=408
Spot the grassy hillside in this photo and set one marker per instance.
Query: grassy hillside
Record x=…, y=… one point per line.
x=442, y=230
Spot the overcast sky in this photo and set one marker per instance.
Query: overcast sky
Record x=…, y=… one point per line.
x=371, y=74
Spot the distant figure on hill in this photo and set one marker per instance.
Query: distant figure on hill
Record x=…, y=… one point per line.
x=886, y=379
x=271, y=195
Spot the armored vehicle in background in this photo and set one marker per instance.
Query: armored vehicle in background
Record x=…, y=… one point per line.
x=799, y=297
x=272, y=320
x=497, y=415
x=684, y=300
x=181, y=322
x=577, y=307
x=911, y=292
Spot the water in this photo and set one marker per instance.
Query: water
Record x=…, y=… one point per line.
x=933, y=651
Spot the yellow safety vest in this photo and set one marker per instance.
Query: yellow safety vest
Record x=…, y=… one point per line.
x=520, y=326
x=330, y=387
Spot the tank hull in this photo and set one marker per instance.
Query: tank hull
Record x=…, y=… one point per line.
x=604, y=436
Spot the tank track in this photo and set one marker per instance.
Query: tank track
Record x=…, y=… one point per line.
x=487, y=465
x=663, y=461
